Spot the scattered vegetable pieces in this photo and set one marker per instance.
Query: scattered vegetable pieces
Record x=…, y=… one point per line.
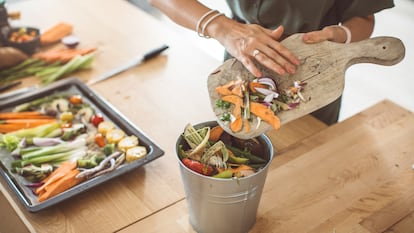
x=259, y=97
x=214, y=157
x=59, y=181
x=67, y=148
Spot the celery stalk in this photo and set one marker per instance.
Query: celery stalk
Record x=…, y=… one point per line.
x=38, y=131
x=47, y=150
x=56, y=157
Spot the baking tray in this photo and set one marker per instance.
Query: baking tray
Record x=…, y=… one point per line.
x=73, y=86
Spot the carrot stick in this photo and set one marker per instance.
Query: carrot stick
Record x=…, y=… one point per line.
x=11, y=125
x=27, y=121
x=20, y=115
x=253, y=85
x=266, y=114
x=6, y=128
x=215, y=133
x=64, y=183
x=241, y=168
x=64, y=168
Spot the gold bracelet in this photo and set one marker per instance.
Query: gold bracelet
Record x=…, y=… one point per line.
x=209, y=21
x=201, y=20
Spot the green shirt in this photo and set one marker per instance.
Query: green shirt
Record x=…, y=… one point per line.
x=303, y=15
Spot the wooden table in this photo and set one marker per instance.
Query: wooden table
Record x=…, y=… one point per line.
x=355, y=176
x=160, y=97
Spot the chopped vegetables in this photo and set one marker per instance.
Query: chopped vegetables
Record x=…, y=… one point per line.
x=127, y=143
x=22, y=35
x=75, y=99
x=99, y=140
x=260, y=97
x=115, y=135
x=135, y=153
x=105, y=126
x=77, y=144
x=216, y=158
x=97, y=119
x=60, y=180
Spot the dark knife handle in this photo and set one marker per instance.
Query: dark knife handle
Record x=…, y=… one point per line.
x=9, y=86
x=154, y=52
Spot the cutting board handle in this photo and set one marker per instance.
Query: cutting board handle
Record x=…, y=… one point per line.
x=378, y=50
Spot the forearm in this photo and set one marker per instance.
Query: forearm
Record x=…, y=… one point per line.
x=242, y=41
x=361, y=27
x=183, y=12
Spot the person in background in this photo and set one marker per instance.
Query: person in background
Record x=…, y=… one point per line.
x=254, y=32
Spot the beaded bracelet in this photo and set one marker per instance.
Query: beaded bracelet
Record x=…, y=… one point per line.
x=348, y=33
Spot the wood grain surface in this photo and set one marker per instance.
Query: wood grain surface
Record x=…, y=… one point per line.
x=322, y=68
x=157, y=96
x=352, y=177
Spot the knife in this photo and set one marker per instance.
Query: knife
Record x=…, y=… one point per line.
x=9, y=86
x=147, y=56
x=17, y=92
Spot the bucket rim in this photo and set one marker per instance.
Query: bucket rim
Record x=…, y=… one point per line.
x=263, y=137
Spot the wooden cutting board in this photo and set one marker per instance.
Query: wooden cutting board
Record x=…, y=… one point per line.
x=323, y=67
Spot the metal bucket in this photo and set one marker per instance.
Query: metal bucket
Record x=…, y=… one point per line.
x=224, y=205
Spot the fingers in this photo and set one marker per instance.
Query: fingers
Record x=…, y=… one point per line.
x=250, y=66
x=277, y=33
x=317, y=36
x=275, y=56
x=275, y=60
x=244, y=39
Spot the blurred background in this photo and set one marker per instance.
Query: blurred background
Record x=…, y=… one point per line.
x=365, y=84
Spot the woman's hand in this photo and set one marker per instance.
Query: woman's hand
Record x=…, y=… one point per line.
x=360, y=28
x=332, y=33
x=249, y=43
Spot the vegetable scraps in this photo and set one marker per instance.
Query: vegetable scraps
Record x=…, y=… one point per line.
x=212, y=152
x=257, y=98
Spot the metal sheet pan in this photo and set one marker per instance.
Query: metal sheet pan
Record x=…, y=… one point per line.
x=73, y=86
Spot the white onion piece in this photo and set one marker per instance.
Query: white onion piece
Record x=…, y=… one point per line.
x=268, y=81
x=267, y=92
x=46, y=141
x=269, y=98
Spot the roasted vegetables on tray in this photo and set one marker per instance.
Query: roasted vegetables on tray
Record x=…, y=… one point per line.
x=59, y=141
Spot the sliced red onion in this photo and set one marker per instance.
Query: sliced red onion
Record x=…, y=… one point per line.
x=267, y=104
x=46, y=141
x=293, y=105
x=34, y=185
x=268, y=81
